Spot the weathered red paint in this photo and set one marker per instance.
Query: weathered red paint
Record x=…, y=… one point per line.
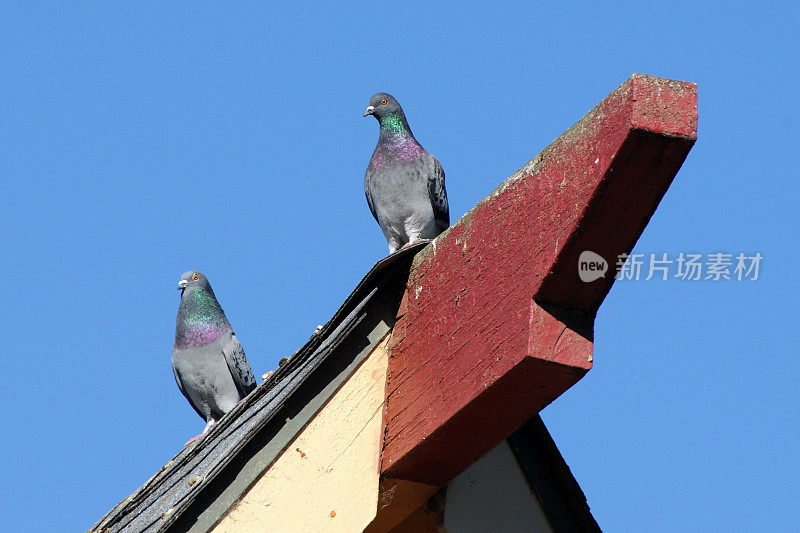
x=495, y=323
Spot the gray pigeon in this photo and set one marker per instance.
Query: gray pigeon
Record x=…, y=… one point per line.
x=209, y=363
x=404, y=184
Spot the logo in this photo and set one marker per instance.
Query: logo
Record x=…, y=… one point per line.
x=591, y=266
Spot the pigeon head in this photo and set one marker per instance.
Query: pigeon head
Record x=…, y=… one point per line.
x=200, y=317
x=193, y=280
x=382, y=105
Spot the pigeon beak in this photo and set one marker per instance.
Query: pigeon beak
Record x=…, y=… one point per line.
x=369, y=110
x=182, y=284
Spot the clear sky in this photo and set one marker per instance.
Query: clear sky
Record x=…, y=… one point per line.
x=142, y=141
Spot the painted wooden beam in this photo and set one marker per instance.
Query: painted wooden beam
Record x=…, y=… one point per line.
x=496, y=323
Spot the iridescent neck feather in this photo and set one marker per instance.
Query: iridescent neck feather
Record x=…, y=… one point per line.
x=396, y=143
x=394, y=126
x=200, y=319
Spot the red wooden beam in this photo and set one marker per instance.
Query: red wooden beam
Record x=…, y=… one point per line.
x=496, y=323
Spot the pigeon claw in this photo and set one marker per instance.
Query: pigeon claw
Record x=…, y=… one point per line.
x=193, y=439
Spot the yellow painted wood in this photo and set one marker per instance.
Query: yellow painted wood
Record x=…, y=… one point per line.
x=327, y=478
x=397, y=499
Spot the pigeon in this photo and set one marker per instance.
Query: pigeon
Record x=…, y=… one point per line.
x=207, y=359
x=404, y=184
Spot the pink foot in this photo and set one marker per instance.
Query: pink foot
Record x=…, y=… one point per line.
x=188, y=442
x=210, y=423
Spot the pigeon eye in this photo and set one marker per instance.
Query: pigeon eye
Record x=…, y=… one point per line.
x=196, y=276
x=383, y=102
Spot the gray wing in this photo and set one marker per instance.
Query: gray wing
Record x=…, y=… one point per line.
x=438, y=196
x=183, y=391
x=239, y=366
x=368, y=193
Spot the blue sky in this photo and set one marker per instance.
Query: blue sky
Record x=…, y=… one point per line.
x=142, y=141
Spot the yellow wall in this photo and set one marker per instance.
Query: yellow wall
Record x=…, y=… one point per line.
x=327, y=478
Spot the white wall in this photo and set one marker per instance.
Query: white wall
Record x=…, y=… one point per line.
x=493, y=495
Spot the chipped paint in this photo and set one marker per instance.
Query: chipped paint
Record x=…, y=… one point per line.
x=454, y=353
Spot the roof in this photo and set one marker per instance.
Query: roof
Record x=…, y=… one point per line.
x=456, y=355
x=244, y=442
x=197, y=486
